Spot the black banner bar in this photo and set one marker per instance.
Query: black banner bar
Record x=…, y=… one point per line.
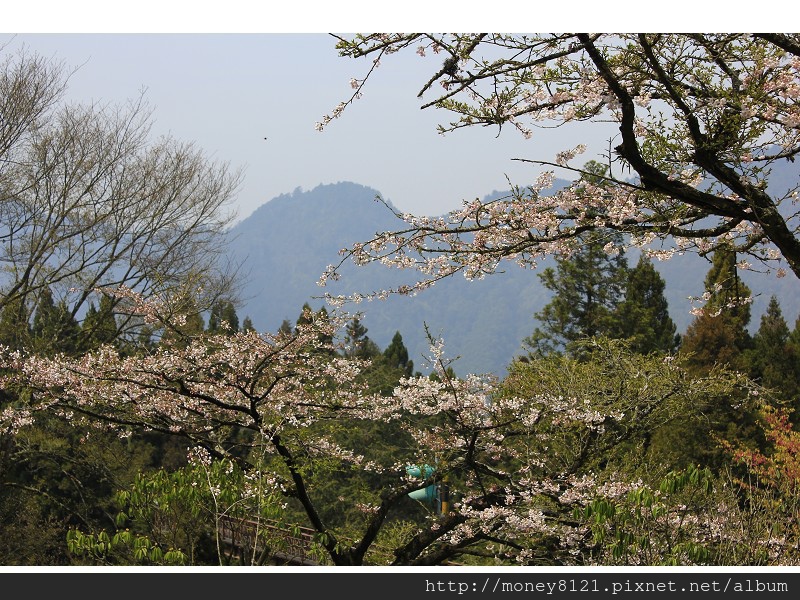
x=388, y=584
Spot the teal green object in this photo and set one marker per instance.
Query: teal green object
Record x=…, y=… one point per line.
x=426, y=494
x=416, y=471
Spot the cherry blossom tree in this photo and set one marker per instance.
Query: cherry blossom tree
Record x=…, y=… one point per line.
x=518, y=459
x=703, y=121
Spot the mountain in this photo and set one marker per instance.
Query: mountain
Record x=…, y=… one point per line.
x=286, y=244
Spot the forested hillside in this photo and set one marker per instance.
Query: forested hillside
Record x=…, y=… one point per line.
x=154, y=412
x=285, y=245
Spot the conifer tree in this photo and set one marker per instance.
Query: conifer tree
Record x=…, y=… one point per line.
x=286, y=327
x=14, y=324
x=643, y=316
x=223, y=318
x=718, y=334
x=54, y=328
x=718, y=339
x=308, y=316
x=588, y=285
x=775, y=361
x=99, y=325
x=190, y=326
x=247, y=324
x=357, y=342
x=396, y=356
x=354, y=336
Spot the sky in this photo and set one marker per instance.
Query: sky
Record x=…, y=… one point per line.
x=228, y=75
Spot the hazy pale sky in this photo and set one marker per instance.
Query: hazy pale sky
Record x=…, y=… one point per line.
x=259, y=78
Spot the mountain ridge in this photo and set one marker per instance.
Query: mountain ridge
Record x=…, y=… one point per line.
x=286, y=244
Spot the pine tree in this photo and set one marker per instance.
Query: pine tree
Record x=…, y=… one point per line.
x=354, y=336
x=357, y=343
x=396, y=356
x=774, y=359
x=588, y=285
x=247, y=324
x=719, y=334
x=307, y=316
x=15, y=325
x=99, y=325
x=223, y=318
x=643, y=316
x=718, y=337
x=286, y=327
x=54, y=328
x=193, y=325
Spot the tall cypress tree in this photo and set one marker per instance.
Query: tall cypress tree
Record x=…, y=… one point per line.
x=54, y=328
x=247, y=324
x=774, y=359
x=588, y=286
x=99, y=325
x=643, y=317
x=719, y=335
x=15, y=324
x=357, y=341
x=223, y=318
x=396, y=356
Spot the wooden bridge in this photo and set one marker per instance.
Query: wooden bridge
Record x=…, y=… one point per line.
x=272, y=543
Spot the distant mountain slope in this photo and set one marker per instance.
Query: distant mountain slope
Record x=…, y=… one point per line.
x=287, y=243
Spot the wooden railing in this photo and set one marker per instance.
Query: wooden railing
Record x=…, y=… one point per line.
x=284, y=545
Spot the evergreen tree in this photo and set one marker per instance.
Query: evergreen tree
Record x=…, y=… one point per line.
x=223, y=318
x=14, y=324
x=729, y=295
x=54, y=328
x=588, y=285
x=719, y=334
x=396, y=356
x=286, y=327
x=247, y=324
x=307, y=315
x=774, y=359
x=326, y=340
x=643, y=316
x=99, y=325
x=718, y=338
x=192, y=325
x=144, y=341
x=355, y=337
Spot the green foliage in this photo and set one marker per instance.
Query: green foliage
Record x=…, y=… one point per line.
x=643, y=316
x=14, y=325
x=774, y=359
x=588, y=286
x=99, y=325
x=357, y=343
x=178, y=517
x=718, y=335
x=652, y=395
x=54, y=328
x=308, y=316
x=650, y=526
x=223, y=318
x=57, y=475
x=396, y=356
x=96, y=548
